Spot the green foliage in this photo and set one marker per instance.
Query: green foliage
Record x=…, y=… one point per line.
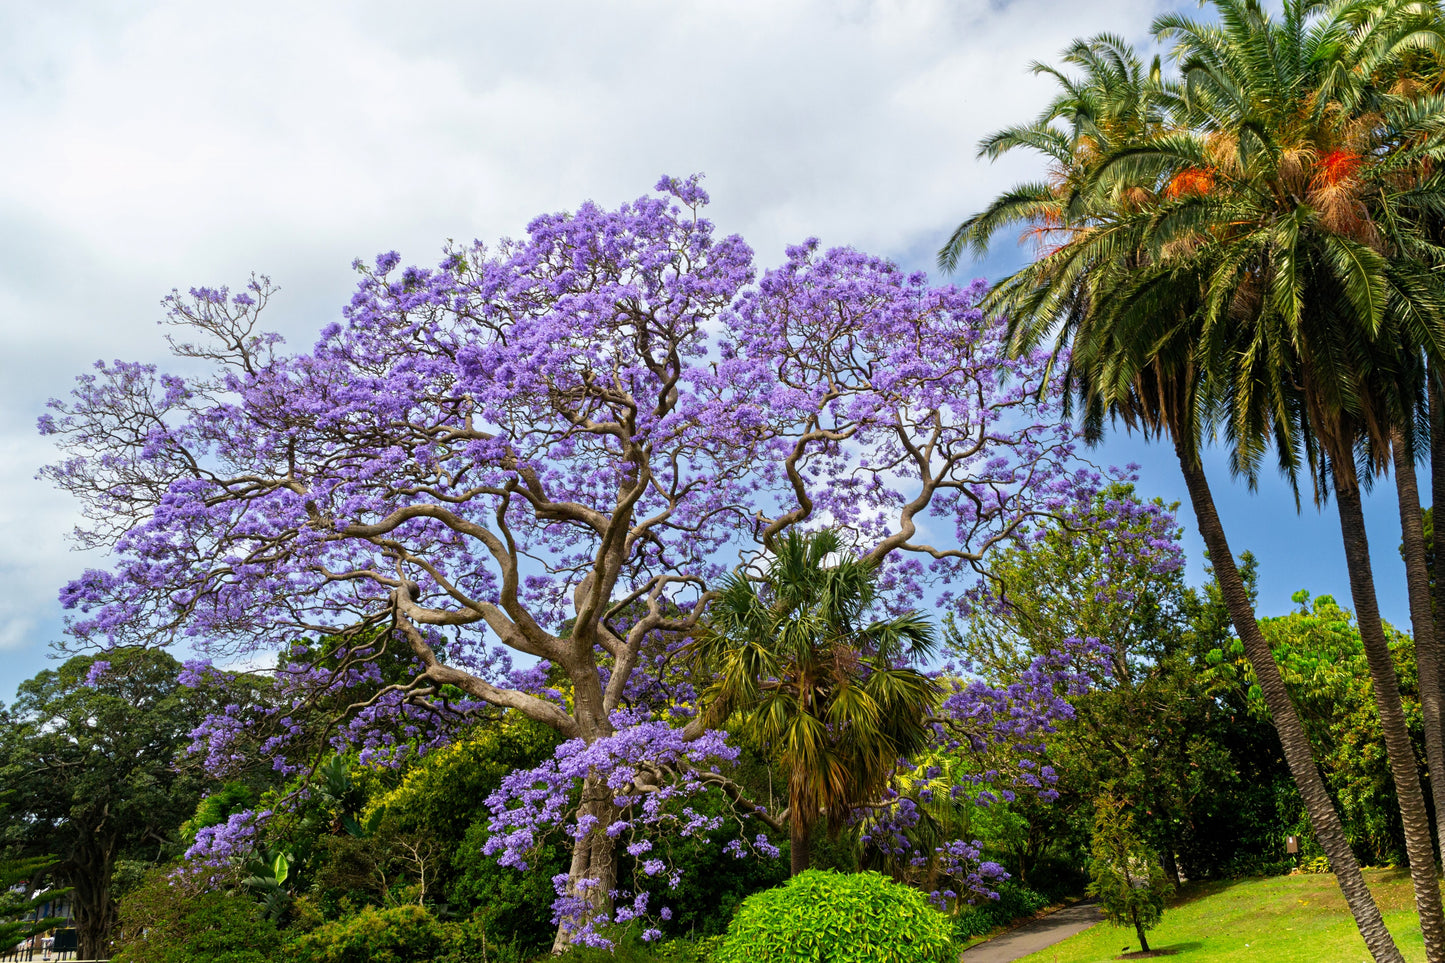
x=445, y=791
x=267, y=882
x=92, y=775
x=1322, y=660
x=1014, y=902
x=1124, y=873
x=18, y=878
x=630, y=948
x=231, y=798
x=402, y=934
x=167, y=919
x=383, y=837
x=841, y=918
x=516, y=907
x=715, y=883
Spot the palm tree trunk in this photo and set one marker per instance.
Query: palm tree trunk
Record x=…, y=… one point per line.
x=1437, y=483
x=1298, y=756
x=1427, y=644
x=1437, y=497
x=1403, y=767
x=799, y=846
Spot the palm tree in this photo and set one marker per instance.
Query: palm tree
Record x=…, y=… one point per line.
x=1316, y=283
x=1414, y=74
x=1150, y=299
x=799, y=671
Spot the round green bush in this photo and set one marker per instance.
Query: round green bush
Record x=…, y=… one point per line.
x=402, y=934
x=828, y=917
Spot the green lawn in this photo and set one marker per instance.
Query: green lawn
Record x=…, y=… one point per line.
x=1286, y=919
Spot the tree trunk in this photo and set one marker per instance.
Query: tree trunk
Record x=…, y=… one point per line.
x=94, y=914
x=592, y=876
x=1403, y=767
x=1318, y=805
x=87, y=870
x=1143, y=941
x=1437, y=485
x=1166, y=859
x=1427, y=643
x=800, y=845
x=1437, y=497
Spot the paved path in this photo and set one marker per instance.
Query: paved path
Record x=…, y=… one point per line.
x=1035, y=936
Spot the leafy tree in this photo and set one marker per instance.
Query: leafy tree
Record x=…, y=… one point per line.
x=20, y=897
x=1322, y=659
x=90, y=757
x=597, y=417
x=1125, y=874
x=1150, y=726
x=403, y=934
x=815, y=683
x=442, y=797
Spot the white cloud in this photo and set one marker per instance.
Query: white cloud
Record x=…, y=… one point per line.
x=167, y=144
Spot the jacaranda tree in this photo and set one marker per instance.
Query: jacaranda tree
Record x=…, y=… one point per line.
x=553, y=448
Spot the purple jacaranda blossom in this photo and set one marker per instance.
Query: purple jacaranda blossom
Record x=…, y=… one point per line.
x=550, y=448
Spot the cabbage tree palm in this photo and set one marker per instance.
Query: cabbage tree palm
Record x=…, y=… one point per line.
x=800, y=670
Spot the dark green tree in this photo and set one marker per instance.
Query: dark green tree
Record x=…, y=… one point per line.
x=21, y=900
x=89, y=754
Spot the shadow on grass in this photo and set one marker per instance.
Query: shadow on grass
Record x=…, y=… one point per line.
x=1192, y=892
x=1169, y=950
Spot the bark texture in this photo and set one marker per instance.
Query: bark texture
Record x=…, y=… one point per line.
x=1422, y=622
x=1386, y=684
x=1297, y=753
x=594, y=858
x=799, y=846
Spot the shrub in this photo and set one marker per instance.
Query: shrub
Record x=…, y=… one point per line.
x=852, y=918
x=1014, y=902
x=167, y=919
x=630, y=948
x=470, y=941
x=402, y=934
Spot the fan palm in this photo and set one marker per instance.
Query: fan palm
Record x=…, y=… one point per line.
x=800, y=672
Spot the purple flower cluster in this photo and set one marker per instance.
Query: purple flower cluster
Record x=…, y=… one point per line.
x=636, y=785
x=552, y=447
x=219, y=848
x=993, y=737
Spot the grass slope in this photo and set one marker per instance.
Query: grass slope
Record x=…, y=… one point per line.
x=1284, y=918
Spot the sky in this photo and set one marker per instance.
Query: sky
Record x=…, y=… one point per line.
x=153, y=146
